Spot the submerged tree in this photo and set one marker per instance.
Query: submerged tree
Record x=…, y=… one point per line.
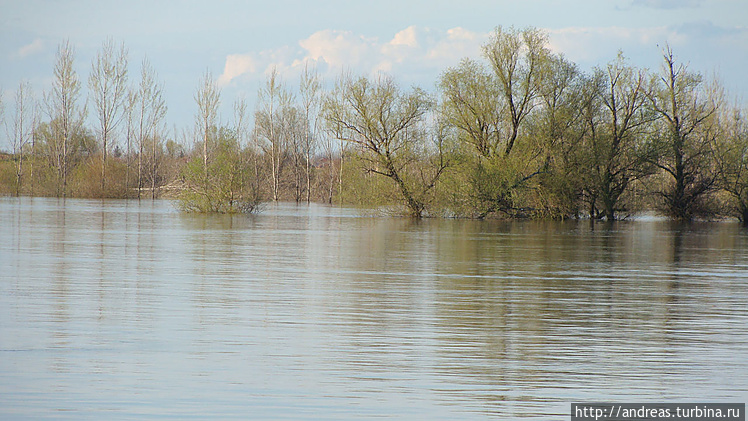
x=220, y=178
x=230, y=186
x=616, y=139
x=386, y=125
x=490, y=110
x=271, y=128
x=558, y=130
x=684, y=151
x=21, y=129
x=732, y=158
x=310, y=89
x=150, y=110
x=108, y=86
x=65, y=114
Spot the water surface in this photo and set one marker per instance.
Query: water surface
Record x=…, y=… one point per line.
x=126, y=309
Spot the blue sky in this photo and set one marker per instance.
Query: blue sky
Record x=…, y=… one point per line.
x=239, y=41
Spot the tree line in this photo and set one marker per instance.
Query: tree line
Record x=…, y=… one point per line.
x=517, y=132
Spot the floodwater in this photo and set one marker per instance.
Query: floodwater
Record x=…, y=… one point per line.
x=126, y=309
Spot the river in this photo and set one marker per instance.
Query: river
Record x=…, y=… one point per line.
x=126, y=309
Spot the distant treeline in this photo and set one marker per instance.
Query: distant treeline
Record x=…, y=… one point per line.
x=517, y=132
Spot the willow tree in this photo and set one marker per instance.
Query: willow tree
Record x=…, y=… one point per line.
x=617, y=138
x=108, y=89
x=472, y=104
x=490, y=108
x=558, y=131
x=684, y=151
x=518, y=58
x=386, y=124
x=732, y=158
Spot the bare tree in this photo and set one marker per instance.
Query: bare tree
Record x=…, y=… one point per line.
x=65, y=114
x=150, y=110
x=108, y=86
x=21, y=128
x=310, y=98
x=241, y=120
x=294, y=128
x=241, y=126
x=130, y=106
x=275, y=100
x=207, y=97
x=333, y=141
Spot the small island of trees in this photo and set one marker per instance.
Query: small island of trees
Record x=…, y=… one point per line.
x=519, y=132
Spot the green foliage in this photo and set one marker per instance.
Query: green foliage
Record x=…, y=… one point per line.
x=85, y=179
x=387, y=125
x=227, y=185
x=731, y=153
x=517, y=132
x=686, y=137
x=7, y=176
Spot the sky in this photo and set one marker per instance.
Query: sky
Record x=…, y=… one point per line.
x=239, y=42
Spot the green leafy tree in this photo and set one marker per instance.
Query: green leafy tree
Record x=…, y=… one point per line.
x=518, y=59
x=229, y=186
x=616, y=137
x=472, y=104
x=684, y=150
x=558, y=130
x=490, y=110
x=386, y=126
x=731, y=152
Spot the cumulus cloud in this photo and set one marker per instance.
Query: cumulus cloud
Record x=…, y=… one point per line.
x=237, y=65
x=338, y=48
x=458, y=44
x=410, y=53
x=34, y=47
x=417, y=55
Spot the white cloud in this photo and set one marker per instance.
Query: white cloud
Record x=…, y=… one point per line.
x=36, y=46
x=339, y=48
x=407, y=37
x=409, y=54
x=417, y=55
x=236, y=65
x=458, y=44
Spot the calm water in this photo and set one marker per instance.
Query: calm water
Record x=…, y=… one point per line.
x=121, y=309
